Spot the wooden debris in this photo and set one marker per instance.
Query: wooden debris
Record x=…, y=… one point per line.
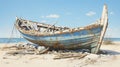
x=25, y=49
x=14, y=52
x=70, y=55
x=42, y=51
x=13, y=48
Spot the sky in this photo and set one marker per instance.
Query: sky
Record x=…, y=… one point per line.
x=70, y=13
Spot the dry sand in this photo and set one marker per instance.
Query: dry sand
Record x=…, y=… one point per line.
x=111, y=59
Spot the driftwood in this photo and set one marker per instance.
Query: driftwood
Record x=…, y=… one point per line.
x=9, y=47
x=42, y=51
x=14, y=52
x=25, y=49
x=70, y=55
x=13, y=48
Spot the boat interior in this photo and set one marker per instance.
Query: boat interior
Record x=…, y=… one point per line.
x=41, y=28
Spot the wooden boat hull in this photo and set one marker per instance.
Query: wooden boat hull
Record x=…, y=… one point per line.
x=75, y=40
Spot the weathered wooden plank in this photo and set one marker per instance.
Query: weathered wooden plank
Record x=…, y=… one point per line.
x=70, y=55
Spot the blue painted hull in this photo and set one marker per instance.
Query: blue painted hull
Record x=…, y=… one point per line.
x=78, y=39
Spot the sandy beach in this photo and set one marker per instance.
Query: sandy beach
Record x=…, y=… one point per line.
x=111, y=58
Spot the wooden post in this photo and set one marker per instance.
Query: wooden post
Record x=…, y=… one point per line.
x=104, y=22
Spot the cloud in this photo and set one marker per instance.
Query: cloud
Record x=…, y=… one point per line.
x=53, y=16
x=90, y=13
x=111, y=13
x=50, y=16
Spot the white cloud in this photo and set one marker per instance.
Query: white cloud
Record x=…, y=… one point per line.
x=90, y=13
x=50, y=16
x=111, y=13
x=53, y=16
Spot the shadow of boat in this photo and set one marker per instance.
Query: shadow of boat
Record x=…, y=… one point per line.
x=109, y=52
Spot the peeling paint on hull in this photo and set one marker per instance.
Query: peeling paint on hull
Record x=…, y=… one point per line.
x=75, y=40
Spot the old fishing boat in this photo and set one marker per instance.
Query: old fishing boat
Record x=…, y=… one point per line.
x=88, y=37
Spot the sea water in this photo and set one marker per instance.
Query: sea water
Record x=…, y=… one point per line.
x=12, y=40
x=112, y=39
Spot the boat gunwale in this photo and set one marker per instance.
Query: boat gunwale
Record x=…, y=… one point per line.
x=72, y=30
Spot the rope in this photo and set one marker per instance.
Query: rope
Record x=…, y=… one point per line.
x=12, y=34
x=9, y=39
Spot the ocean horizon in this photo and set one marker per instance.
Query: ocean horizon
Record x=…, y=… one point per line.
x=12, y=40
x=16, y=40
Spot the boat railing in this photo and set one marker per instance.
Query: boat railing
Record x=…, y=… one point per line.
x=29, y=27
